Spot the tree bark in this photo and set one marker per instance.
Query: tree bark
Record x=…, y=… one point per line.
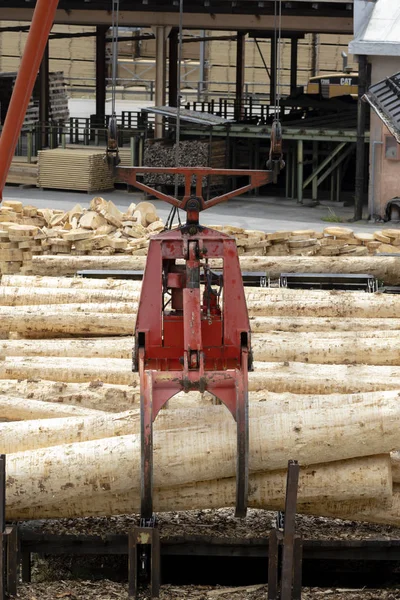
x=384, y=268
x=35, y=282
x=22, y=409
x=20, y=296
x=344, y=481
x=44, y=323
x=297, y=378
x=326, y=326
x=282, y=347
x=96, y=395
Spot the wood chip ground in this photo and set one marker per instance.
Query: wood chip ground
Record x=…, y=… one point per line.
x=107, y=590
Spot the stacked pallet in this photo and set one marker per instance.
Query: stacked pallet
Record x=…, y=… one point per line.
x=76, y=401
x=80, y=170
x=193, y=153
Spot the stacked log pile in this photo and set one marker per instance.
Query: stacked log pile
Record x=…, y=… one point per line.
x=327, y=397
x=26, y=231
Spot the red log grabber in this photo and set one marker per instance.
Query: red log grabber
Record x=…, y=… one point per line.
x=192, y=328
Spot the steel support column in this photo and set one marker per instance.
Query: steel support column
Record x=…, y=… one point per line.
x=361, y=125
x=42, y=22
x=300, y=159
x=101, y=73
x=44, y=97
x=173, y=67
x=294, y=42
x=240, y=67
x=161, y=76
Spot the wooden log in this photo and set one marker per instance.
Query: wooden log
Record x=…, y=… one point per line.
x=96, y=394
x=275, y=348
x=324, y=325
x=68, y=282
x=339, y=350
x=344, y=480
x=21, y=296
x=384, y=268
x=385, y=512
x=298, y=378
x=395, y=460
x=44, y=323
x=185, y=411
x=22, y=409
x=111, y=347
x=338, y=434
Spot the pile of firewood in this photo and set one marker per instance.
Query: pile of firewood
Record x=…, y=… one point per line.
x=27, y=231
x=193, y=153
x=327, y=397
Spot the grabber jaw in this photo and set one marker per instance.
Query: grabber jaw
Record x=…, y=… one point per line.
x=275, y=163
x=112, y=151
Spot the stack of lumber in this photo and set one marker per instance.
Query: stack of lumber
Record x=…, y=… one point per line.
x=69, y=405
x=79, y=170
x=193, y=153
x=102, y=230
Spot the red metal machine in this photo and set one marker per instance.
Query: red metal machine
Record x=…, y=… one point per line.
x=192, y=328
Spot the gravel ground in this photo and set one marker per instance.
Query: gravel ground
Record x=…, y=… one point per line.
x=220, y=523
x=107, y=590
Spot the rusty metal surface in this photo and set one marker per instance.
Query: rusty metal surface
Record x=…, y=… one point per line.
x=289, y=529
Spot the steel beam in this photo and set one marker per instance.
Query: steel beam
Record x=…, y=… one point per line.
x=294, y=43
x=161, y=76
x=173, y=67
x=101, y=73
x=240, y=66
x=227, y=22
x=44, y=96
x=361, y=126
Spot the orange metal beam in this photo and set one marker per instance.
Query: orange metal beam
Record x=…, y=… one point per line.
x=42, y=22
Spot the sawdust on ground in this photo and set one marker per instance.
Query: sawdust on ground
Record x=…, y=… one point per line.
x=107, y=590
x=220, y=523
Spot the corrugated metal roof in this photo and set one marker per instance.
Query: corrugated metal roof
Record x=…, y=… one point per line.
x=381, y=34
x=384, y=97
x=192, y=116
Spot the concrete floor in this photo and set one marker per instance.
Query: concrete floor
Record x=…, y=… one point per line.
x=263, y=213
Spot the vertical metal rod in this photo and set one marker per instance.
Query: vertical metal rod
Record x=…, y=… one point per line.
x=293, y=160
x=173, y=67
x=41, y=25
x=289, y=529
x=155, y=563
x=101, y=74
x=44, y=96
x=240, y=70
x=273, y=564
x=132, y=565
x=314, y=167
x=12, y=561
x=293, y=64
x=272, y=87
x=300, y=158
x=361, y=126
x=29, y=150
x=338, y=181
x=203, y=34
x=298, y=568
x=133, y=150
